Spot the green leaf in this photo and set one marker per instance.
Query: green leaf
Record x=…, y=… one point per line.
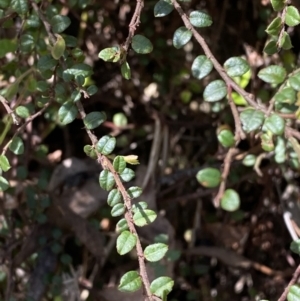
x=23, y=111
x=90, y=151
x=125, y=70
x=280, y=150
x=236, y=66
x=285, y=41
x=106, y=180
x=215, y=91
x=46, y=62
x=141, y=44
x=181, y=37
x=292, y=17
x=226, y=138
x=155, y=252
x=92, y=89
x=140, y=206
x=17, y=146
x=117, y=210
x=106, y=145
x=130, y=282
x=121, y=225
x=125, y=242
x=295, y=246
x=114, y=197
x=144, y=217
x=251, y=119
x=161, y=286
x=238, y=99
x=230, y=200
x=294, y=81
x=26, y=43
x=58, y=48
x=67, y=113
x=274, y=27
x=201, y=66
x=94, y=119
x=7, y=46
x=271, y=48
x=76, y=95
x=77, y=70
x=209, y=177
x=278, y=4
x=163, y=8
x=4, y=185
x=127, y=175
x=294, y=293
x=112, y=54
x=275, y=124
x=134, y=192
x=59, y=23
x=119, y=164
x=272, y=74
x=4, y=163
x=249, y=160
x=267, y=142
x=286, y=95
x=120, y=119
x=200, y=19
x=19, y=6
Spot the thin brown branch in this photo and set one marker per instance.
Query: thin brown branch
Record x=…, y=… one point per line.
x=106, y=164
x=227, y=163
x=228, y=80
x=239, y=133
x=20, y=128
x=292, y=282
x=9, y=110
x=134, y=23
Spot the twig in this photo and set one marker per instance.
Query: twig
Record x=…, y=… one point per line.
x=292, y=282
x=134, y=23
x=239, y=133
x=9, y=110
x=20, y=129
x=228, y=80
x=227, y=163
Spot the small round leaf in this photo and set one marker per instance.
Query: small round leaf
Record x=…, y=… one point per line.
x=134, y=192
x=59, y=23
x=163, y=8
x=236, y=66
x=161, y=286
x=141, y=44
x=144, y=217
x=17, y=146
x=230, y=200
x=155, y=252
x=251, y=119
x=106, y=145
x=209, y=177
x=201, y=66
x=94, y=119
x=226, y=138
x=215, y=91
x=130, y=282
x=4, y=185
x=272, y=74
x=200, y=19
x=117, y=210
x=114, y=197
x=275, y=124
x=125, y=242
x=181, y=37
x=4, y=163
x=292, y=17
x=127, y=175
x=119, y=164
x=106, y=180
x=67, y=113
